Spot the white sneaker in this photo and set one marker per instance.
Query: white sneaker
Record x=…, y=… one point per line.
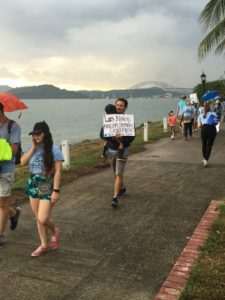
x=205, y=163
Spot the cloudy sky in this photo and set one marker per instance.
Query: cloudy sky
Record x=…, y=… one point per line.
x=102, y=44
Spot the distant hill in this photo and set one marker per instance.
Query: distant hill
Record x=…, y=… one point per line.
x=142, y=90
x=46, y=91
x=135, y=93
x=4, y=88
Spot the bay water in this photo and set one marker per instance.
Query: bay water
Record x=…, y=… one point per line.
x=79, y=119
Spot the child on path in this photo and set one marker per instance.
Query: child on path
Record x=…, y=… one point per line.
x=45, y=163
x=111, y=109
x=172, y=120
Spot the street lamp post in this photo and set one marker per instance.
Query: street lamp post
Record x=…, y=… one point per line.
x=203, y=80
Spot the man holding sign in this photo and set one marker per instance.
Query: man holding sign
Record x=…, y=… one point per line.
x=118, y=129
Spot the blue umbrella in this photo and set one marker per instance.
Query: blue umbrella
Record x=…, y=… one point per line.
x=210, y=95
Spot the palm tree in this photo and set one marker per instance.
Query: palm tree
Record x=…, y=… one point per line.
x=213, y=20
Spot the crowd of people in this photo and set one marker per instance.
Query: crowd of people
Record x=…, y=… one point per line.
x=44, y=160
x=190, y=116
x=43, y=185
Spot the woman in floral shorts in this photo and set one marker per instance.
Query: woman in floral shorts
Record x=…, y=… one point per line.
x=45, y=163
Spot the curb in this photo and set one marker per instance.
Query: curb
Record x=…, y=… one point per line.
x=176, y=280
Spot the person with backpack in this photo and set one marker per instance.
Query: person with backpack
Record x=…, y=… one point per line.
x=187, y=119
x=7, y=170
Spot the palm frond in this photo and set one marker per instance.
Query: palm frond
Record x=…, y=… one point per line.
x=213, y=13
x=215, y=38
x=220, y=48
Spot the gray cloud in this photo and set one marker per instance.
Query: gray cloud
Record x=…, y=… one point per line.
x=103, y=43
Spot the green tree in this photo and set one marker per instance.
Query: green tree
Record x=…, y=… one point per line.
x=213, y=20
x=217, y=85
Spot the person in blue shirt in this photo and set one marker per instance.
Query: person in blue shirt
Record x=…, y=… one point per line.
x=43, y=186
x=180, y=108
x=195, y=120
x=187, y=119
x=7, y=171
x=218, y=109
x=181, y=105
x=207, y=121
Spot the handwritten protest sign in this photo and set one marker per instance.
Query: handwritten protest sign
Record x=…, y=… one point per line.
x=121, y=123
x=194, y=98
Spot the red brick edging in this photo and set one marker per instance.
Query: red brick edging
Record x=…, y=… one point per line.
x=176, y=280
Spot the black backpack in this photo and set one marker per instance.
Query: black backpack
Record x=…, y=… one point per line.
x=19, y=152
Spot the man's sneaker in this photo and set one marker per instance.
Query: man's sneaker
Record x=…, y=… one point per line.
x=123, y=192
x=2, y=241
x=55, y=239
x=39, y=251
x=14, y=219
x=114, y=203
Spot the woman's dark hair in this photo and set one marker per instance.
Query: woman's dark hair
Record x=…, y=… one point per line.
x=123, y=100
x=206, y=109
x=48, y=155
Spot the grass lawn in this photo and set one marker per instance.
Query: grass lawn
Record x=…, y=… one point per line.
x=207, y=279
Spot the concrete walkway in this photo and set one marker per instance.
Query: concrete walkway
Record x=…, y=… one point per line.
x=117, y=254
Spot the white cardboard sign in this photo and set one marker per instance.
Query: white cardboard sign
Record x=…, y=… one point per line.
x=194, y=98
x=118, y=123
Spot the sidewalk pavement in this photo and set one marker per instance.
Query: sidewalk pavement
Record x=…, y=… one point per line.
x=123, y=253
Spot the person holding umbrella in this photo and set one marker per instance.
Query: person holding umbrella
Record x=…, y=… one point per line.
x=7, y=170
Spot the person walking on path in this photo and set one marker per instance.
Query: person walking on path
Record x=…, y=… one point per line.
x=218, y=109
x=207, y=121
x=7, y=171
x=187, y=118
x=43, y=186
x=118, y=165
x=195, y=120
x=172, y=120
x=180, y=108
